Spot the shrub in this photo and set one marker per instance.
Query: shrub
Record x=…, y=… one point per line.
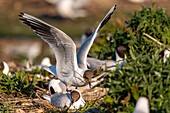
x=145, y=74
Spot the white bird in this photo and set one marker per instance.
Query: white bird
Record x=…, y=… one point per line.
x=56, y=86
x=4, y=67
x=111, y=65
x=142, y=105
x=72, y=100
x=67, y=69
x=70, y=8
x=85, y=47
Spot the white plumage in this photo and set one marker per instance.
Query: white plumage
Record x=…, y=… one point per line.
x=142, y=105
x=65, y=52
x=72, y=100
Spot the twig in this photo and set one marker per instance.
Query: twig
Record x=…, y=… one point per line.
x=154, y=40
x=40, y=88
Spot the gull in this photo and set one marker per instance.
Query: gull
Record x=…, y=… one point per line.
x=142, y=105
x=110, y=65
x=56, y=86
x=67, y=70
x=85, y=47
x=72, y=100
x=4, y=67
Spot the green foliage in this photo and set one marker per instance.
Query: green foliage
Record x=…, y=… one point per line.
x=17, y=85
x=152, y=21
x=145, y=74
x=22, y=83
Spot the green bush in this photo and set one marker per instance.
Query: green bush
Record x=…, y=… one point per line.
x=145, y=74
x=152, y=21
x=18, y=85
x=22, y=83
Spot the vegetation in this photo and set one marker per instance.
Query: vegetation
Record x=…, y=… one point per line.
x=144, y=74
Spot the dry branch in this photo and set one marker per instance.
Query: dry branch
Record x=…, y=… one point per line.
x=150, y=37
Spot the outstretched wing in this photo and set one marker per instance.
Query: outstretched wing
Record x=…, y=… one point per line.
x=62, y=45
x=84, y=49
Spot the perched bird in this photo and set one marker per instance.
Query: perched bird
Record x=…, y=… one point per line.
x=70, y=8
x=111, y=65
x=4, y=67
x=142, y=105
x=72, y=100
x=67, y=70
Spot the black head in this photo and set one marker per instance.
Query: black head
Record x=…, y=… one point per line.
x=88, y=32
x=88, y=74
x=75, y=95
x=121, y=51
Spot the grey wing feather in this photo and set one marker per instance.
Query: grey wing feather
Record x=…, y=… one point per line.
x=62, y=45
x=84, y=49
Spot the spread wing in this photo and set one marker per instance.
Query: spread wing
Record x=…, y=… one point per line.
x=62, y=45
x=84, y=49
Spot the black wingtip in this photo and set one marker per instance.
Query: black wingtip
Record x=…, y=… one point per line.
x=21, y=14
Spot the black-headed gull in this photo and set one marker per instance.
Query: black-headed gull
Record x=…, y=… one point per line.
x=72, y=100
x=111, y=65
x=67, y=69
x=55, y=85
x=142, y=105
x=85, y=47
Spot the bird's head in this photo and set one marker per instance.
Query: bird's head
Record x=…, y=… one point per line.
x=88, y=74
x=75, y=96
